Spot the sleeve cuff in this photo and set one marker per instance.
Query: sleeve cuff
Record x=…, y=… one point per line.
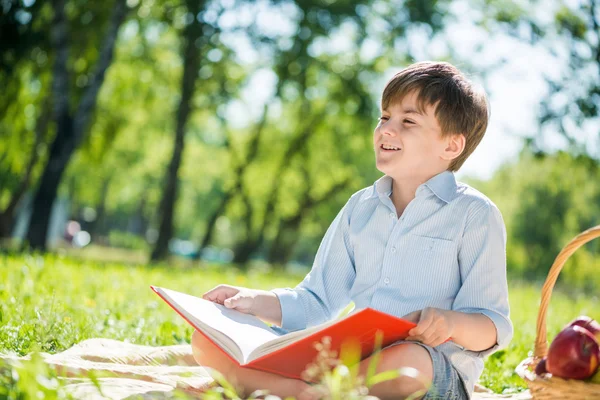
x=293, y=317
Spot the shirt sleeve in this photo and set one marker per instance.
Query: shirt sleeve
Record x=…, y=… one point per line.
x=325, y=291
x=482, y=261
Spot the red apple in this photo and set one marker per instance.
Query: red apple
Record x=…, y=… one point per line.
x=588, y=323
x=540, y=369
x=573, y=354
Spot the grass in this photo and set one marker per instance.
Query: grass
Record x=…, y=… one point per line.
x=48, y=303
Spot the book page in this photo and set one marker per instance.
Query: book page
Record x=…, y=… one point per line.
x=247, y=331
x=284, y=340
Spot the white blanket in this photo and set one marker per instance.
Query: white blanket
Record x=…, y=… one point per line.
x=129, y=370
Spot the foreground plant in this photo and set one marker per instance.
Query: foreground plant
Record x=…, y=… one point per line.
x=337, y=377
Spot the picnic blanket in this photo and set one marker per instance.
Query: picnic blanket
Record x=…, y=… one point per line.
x=126, y=370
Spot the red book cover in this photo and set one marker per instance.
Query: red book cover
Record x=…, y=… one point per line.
x=360, y=326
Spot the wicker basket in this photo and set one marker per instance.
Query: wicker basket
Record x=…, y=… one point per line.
x=552, y=387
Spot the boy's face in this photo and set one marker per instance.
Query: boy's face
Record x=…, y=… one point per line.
x=417, y=136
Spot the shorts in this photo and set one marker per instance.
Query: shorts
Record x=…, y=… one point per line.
x=447, y=383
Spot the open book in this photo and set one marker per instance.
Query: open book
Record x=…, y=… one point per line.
x=251, y=343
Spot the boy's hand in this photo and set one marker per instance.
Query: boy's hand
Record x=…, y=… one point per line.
x=434, y=326
x=261, y=303
x=238, y=298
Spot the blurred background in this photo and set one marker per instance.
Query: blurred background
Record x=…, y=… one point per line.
x=233, y=131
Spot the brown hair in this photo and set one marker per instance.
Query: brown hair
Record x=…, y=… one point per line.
x=460, y=106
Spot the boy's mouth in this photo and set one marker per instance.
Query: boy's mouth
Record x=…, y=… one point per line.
x=389, y=148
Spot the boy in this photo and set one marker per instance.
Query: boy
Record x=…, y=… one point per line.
x=417, y=244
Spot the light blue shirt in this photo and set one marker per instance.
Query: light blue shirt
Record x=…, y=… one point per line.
x=447, y=250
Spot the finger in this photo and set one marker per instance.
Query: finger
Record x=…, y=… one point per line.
x=422, y=326
x=237, y=301
x=220, y=293
x=429, y=336
x=437, y=341
x=418, y=338
x=211, y=295
x=413, y=316
x=432, y=329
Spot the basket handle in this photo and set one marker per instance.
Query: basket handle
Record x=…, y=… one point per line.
x=541, y=343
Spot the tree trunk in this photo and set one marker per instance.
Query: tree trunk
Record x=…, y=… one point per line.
x=289, y=228
x=244, y=249
x=60, y=154
x=70, y=130
x=7, y=217
x=7, y=221
x=239, y=171
x=254, y=240
x=242, y=253
x=138, y=223
x=212, y=223
x=282, y=247
x=94, y=228
x=191, y=60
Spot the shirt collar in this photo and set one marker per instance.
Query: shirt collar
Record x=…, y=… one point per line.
x=443, y=185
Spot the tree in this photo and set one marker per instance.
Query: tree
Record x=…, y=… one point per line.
x=570, y=38
x=289, y=227
x=23, y=54
x=22, y=29
x=574, y=99
x=191, y=57
x=7, y=215
x=71, y=128
x=339, y=77
x=547, y=199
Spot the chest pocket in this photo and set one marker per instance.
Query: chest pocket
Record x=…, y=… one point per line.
x=428, y=268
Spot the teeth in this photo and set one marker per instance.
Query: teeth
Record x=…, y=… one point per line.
x=385, y=146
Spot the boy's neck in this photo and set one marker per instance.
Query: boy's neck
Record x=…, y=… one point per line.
x=404, y=190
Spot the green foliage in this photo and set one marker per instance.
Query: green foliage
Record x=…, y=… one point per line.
x=29, y=379
x=50, y=303
x=568, y=33
x=568, y=20
x=126, y=240
x=130, y=137
x=546, y=201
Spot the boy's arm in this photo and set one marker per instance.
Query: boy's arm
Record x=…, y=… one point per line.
x=473, y=331
x=479, y=320
x=325, y=291
x=482, y=301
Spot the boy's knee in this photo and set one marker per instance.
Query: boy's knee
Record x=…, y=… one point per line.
x=406, y=355
x=205, y=353
x=197, y=347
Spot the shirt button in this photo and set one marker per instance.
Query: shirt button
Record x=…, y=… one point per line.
x=393, y=249
x=392, y=215
x=386, y=281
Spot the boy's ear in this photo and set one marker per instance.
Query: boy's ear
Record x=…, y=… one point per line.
x=454, y=146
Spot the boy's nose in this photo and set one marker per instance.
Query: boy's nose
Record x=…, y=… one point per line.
x=387, y=130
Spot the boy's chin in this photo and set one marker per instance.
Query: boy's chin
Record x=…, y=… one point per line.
x=385, y=167
x=387, y=171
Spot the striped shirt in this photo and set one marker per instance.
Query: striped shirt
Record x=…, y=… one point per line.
x=447, y=250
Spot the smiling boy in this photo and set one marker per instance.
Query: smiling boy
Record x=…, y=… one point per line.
x=417, y=244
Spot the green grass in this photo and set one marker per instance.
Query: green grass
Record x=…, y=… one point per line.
x=49, y=303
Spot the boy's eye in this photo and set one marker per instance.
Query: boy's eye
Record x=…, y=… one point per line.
x=408, y=121
x=383, y=118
